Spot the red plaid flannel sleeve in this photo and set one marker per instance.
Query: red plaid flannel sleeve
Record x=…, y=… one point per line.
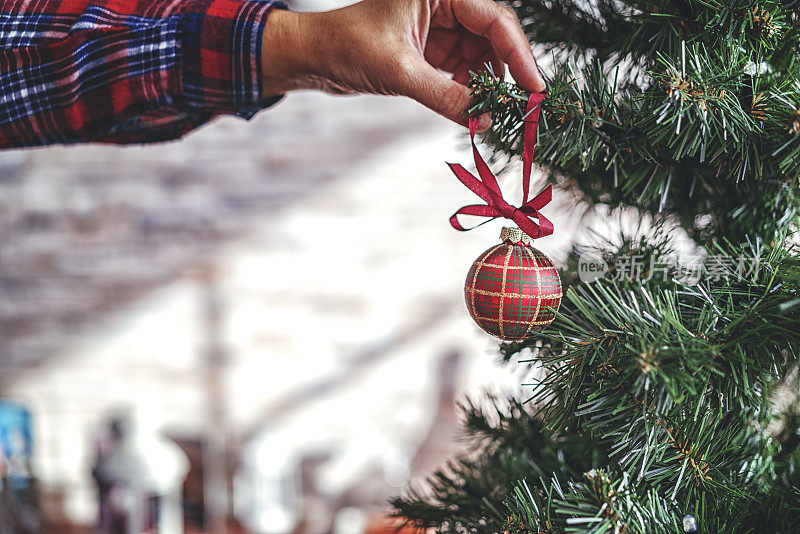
x=126, y=71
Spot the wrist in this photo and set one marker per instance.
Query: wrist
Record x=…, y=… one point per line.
x=286, y=63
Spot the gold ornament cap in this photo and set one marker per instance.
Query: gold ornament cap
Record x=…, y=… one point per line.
x=515, y=235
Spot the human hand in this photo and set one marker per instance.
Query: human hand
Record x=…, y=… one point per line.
x=394, y=47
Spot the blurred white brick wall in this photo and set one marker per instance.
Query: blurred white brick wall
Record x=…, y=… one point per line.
x=322, y=228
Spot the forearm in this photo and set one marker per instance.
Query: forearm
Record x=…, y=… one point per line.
x=127, y=71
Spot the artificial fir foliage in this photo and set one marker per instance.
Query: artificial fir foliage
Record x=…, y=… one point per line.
x=658, y=403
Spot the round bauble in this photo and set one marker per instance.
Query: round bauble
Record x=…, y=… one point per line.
x=513, y=290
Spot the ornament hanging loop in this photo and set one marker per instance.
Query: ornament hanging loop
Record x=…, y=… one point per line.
x=487, y=188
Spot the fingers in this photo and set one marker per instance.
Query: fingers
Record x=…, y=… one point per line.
x=447, y=47
x=501, y=27
x=497, y=64
x=434, y=90
x=459, y=51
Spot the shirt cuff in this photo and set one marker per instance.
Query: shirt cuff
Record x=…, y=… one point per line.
x=221, y=55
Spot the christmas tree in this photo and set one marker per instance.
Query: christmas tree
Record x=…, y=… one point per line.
x=664, y=398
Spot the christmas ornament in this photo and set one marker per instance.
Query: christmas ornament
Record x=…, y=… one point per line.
x=512, y=290
x=689, y=523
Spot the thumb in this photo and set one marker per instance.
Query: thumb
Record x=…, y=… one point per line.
x=434, y=90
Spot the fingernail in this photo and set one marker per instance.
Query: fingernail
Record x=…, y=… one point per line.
x=484, y=122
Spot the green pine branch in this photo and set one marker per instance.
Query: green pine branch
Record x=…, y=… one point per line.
x=653, y=398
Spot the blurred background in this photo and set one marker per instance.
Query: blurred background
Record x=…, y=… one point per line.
x=259, y=328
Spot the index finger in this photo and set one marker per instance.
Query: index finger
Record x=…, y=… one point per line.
x=501, y=26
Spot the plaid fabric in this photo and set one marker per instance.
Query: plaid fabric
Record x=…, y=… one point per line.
x=512, y=290
x=126, y=70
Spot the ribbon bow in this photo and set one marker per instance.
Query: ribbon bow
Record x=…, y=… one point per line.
x=488, y=189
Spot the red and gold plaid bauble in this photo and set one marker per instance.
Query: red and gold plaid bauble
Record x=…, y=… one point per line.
x=513, y=290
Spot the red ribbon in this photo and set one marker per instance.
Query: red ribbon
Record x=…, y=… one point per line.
x=488, y=189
